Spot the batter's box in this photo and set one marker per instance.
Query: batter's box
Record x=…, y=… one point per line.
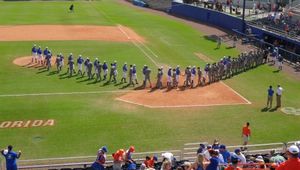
x=216, y=94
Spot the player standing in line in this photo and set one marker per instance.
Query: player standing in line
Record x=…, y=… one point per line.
x=71, y=67
x=174, y=82
x=187, y=73
x=105, y=70
x=80, y=61
x=193, y=75
x=177, y=75
x=159, y=78
x=134, y=78
x=57, y=62
x=96, y=63
x=169, y=78
x=114, y=72
x=40, y=55
x=34, y=54
x=69, y=59
x=143, y=71
x=124, y=76
x=147, y=77
x=45, y=53
x=200, y=77
x=206, y=72
x=48, y=60
x=89, y=70
x=131, y=75
x=85, y=63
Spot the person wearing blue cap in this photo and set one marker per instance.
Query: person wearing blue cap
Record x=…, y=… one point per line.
x=101, y=157
x=225, y=153
x=11, y=158
x=240, y=156
x=234, y=164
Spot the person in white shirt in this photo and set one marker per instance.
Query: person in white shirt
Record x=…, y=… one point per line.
x=240, y=156
x=278, y=96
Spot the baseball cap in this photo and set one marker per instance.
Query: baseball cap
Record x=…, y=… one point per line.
x=222, y=147
x=293, y=149
x=155, y=158
x=104, y=149
x=237, y=150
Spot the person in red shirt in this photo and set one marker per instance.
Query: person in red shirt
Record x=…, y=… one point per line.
x=293, y=162
x=149, y=162
x=246, y=133
x=118, y=157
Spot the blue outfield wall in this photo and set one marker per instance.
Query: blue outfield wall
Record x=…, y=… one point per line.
x=207, y=16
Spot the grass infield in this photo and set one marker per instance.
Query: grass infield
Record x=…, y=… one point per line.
x=85, y=122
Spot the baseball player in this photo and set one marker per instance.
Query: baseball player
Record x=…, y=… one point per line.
x=200, y=77
x=69, y=60
x=143, y=71
x=89, y=70
x=177, y=75
x=80, y=61
x=147, y=77
x=105, y=70
x=45, y=53
x=187, y=76
x=131, y=75
x=71, y=67
x=85, y=63
x=48, y=60
x=57, y=62
x=34, y=54
x=159, y=78
x=206, y=72
x=169, y=78
x=96, y=63
x=134, y=74
x=193, y=75
x=40, y=55
x=174, y=83
x=114, y=72
x=124, y=76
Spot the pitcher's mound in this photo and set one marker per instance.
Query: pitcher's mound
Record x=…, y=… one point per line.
x=210, y=95
x=27, y=62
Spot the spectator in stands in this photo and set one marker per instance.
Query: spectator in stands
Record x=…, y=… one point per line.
x=199, y=163
x=206, y=153
x=216, y=144
x=293, y=161
x=214, y=161
x=101, y=157
x=201, y=149
x=276, y=157
x=166, y=165
x=225, y=153
x=298, y=145
x=131, y=165
x=169, y=157
x=150, y=161
x=261, y=162
x=11, y=158
x=246, y=133
x=187, y=166
x=270, y=97
x=234, y=164
x=118, y=159
x=237, y=153
x=278, y=96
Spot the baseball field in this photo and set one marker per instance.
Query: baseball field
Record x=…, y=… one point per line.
x=48, y=114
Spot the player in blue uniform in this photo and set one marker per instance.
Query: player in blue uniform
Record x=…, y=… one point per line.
x=11, y=158
x=124, y=76
x=105, y=70
x=71, y=58
x=48, y=60
x=34, y=54
x=193, y=74
x=169, y=78
x=134, y=74
x=40, y=55
x=100, y=160
x=80, y=61
x=45, y=53
x=177, y=76
x=86, y=62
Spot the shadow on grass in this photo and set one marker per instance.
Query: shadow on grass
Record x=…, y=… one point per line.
x=42, y=71
x=265, y=109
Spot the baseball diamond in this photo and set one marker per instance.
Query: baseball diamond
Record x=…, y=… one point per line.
x=77, y=76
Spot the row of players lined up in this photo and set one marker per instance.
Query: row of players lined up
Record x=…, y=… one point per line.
x=194, y=76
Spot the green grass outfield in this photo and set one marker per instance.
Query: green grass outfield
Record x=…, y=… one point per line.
x=87, y=121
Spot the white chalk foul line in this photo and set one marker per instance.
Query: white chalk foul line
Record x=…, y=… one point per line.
x=236, y=92
x=138, y=46
x=180, y=106
x=63, y=93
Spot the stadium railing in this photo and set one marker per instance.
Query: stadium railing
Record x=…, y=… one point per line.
x=86, y=161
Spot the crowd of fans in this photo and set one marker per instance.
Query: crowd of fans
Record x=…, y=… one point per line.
x=209, y=157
